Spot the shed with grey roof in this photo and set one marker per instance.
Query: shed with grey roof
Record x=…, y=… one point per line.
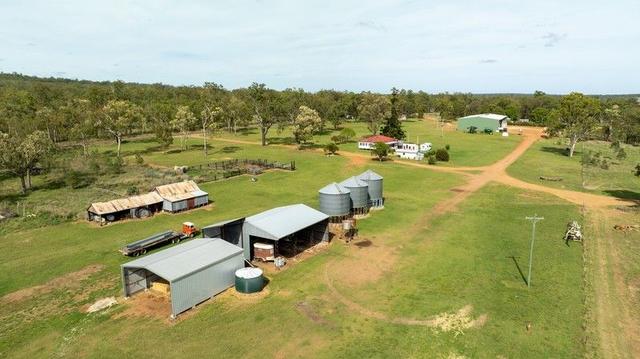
x=285, y=227
x=195, y=271
x=374, y=188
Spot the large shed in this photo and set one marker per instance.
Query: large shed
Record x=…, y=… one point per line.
x=292, y=224
x=229, y=230
x=195, y=271
x=485, y=121
x=182, y=196
x=140, y=206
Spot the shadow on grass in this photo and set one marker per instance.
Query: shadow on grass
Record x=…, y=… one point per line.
x=560, y=151
x=515, y=261
x=623, y=194
x=228, y=149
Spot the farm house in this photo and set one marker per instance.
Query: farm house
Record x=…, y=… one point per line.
x=182, y=196
x=187, y=274
x=482, y=122
x=287, y=229
x=131, y=207
x=413, y=151
x=368, y=143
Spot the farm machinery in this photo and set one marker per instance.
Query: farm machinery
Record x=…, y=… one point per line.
x=137, y=248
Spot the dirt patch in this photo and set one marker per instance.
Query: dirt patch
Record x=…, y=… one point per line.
x=306, y=309
x=245, y=297
x=148, y=305
x=69, y=280
x=358, y=160
x=364, y=264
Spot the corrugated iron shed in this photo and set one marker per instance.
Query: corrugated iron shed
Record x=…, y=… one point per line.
x=181, y=260
x=123, y=204
x=196, y=271
x=280, y=222
x=180, y=191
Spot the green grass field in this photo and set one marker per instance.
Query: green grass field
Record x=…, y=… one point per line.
x=416, y=265
x=466, y=149
x=547, y=158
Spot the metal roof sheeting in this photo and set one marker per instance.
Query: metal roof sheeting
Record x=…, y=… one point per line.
x=180, y=191
x=184, y=259
x=334, y=188
x=280, y=222
x=124, y=204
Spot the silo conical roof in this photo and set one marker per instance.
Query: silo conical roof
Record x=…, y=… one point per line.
x=369, y=175
x=334, y=188
x=353, y=182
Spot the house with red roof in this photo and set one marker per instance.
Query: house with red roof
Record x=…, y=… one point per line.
x=368, y=143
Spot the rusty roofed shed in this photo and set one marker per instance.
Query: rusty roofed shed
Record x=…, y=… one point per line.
x=182, y=196
x=131, y=207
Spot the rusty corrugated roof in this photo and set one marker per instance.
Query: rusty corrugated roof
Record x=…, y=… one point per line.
x=123, y=204
x=180, y=191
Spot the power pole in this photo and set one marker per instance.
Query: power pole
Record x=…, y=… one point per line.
x=535, y=219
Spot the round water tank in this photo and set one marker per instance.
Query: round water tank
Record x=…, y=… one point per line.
x=249, y=280
x=359, y=192
x=374, y=181
x=335, y=200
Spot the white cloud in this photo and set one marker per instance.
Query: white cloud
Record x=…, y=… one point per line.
x=433, y=46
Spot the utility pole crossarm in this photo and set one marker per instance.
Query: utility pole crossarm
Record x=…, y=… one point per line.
x=534, y=219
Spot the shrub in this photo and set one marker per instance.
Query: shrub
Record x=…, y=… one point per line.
x=473, y=129
x=139, y=159
x=132, y=190
x=330, y=148
x=346, y=134
x=637, y=170
x=115, y=165
x=381, y=150
x=447, y=147
x=622, y=154
x=604, y=164
x=432, y=160
x=442, y=155
x=615, y=145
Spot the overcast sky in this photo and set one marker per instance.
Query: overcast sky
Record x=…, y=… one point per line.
x=469, y=46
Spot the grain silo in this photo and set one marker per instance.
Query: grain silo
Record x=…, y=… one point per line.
x=335, y=200
x=359, y=194
x=374, y=180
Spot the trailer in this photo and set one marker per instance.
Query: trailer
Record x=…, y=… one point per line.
x=140, y=247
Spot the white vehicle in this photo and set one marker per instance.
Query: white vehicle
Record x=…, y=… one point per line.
x=413, y=151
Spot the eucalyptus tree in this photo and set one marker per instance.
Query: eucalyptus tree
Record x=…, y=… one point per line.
x=183, y=120
x=21, y=155
x=119, y=118
x=373, y=109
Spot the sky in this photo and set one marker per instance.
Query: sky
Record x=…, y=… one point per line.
x=483, y=46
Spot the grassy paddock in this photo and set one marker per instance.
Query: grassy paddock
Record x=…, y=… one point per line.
x=461, y=259
x=547, y=158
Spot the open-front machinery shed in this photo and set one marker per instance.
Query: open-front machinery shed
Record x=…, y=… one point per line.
x=194, y=271
x=291, y=224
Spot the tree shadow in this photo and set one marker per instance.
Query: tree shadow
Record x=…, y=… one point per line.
x=623, y=194
x=228, y=149
x=281, y=140
x=564, y=152
x=246, y=131
x=515, y=261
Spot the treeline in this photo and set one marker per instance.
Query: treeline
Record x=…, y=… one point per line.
x=36, y=113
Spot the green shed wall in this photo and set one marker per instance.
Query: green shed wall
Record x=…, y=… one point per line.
x=480, y=122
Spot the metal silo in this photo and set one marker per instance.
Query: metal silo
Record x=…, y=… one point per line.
x=374, y=180
x=359, y=194
x=335, y=200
